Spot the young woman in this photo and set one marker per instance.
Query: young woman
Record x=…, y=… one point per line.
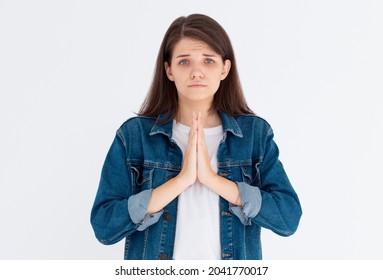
x=196, y=174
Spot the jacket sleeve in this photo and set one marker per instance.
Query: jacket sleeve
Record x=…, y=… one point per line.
x=116, y=212
x=273, y=204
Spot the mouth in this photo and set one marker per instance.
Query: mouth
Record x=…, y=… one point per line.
x=197, y=86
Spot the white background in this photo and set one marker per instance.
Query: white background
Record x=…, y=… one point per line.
x=72, y=71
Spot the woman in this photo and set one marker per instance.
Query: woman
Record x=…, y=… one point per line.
x=196, y=174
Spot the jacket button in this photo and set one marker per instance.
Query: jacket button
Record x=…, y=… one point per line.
x=163, y=257
x=224, y=213
x=167, y=216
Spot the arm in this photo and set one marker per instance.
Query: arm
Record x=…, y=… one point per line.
x=110, y=217
x=117, y=212
x=280, y=210
x=218, y=184
x=165, y=193
x=274, y=204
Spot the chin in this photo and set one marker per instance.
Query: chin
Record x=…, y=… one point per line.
x=207, y=98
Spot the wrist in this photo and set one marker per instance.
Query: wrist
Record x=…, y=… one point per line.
x=182, y=182
x=211, y=180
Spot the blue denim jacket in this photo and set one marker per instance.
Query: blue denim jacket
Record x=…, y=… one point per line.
x=143, y=156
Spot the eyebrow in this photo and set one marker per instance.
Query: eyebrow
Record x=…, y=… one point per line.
x=187, y=55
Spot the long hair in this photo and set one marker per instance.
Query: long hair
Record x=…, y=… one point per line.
x=162, y=96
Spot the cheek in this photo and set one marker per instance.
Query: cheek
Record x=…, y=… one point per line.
x=216, y=82
x=178, y=84
x=217, y=78
x=179, y=78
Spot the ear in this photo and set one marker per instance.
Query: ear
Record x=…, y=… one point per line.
x=225, y=69
x=168, y=71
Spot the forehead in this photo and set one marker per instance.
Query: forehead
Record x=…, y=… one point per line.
x=189, y=46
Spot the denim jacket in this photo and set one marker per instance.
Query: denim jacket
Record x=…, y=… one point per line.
x=143, y=156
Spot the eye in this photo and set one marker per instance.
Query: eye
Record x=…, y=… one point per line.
x=209, y=61
x=183, y=62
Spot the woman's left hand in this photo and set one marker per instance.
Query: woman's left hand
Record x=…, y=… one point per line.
x=206, y=175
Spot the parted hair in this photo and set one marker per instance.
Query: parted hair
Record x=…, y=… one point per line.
x=162, y=96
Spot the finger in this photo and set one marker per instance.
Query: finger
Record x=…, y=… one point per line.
x=195, y=128
x=201, y=134
x=192, y=131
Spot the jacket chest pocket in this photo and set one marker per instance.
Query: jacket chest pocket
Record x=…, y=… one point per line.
x=251, y=173
x=141, y=178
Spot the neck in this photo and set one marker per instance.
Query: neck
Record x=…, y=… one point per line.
x=185, y=114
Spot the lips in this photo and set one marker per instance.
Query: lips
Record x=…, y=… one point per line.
x=197, y=86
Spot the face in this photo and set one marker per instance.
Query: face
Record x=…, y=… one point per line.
x=196, y=70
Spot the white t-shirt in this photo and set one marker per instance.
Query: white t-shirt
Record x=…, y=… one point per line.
x=197, y=230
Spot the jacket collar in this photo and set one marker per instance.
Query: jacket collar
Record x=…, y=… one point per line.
x=229, y=124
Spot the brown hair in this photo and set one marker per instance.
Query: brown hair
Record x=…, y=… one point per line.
x=162, y=96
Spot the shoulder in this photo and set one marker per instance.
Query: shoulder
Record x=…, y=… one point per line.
x=137, y=122
x=136, y=126
x=253, y=124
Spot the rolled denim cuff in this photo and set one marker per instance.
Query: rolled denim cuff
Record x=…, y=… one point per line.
x=137, y=208
x=251, y=203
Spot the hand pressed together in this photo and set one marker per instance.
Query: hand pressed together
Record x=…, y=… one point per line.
x=196, y=166
x=196, y=163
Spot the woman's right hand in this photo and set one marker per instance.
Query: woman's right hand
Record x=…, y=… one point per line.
x=164, y=194
x=188, y=174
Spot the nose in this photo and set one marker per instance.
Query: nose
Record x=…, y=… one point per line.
x=196, y=73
